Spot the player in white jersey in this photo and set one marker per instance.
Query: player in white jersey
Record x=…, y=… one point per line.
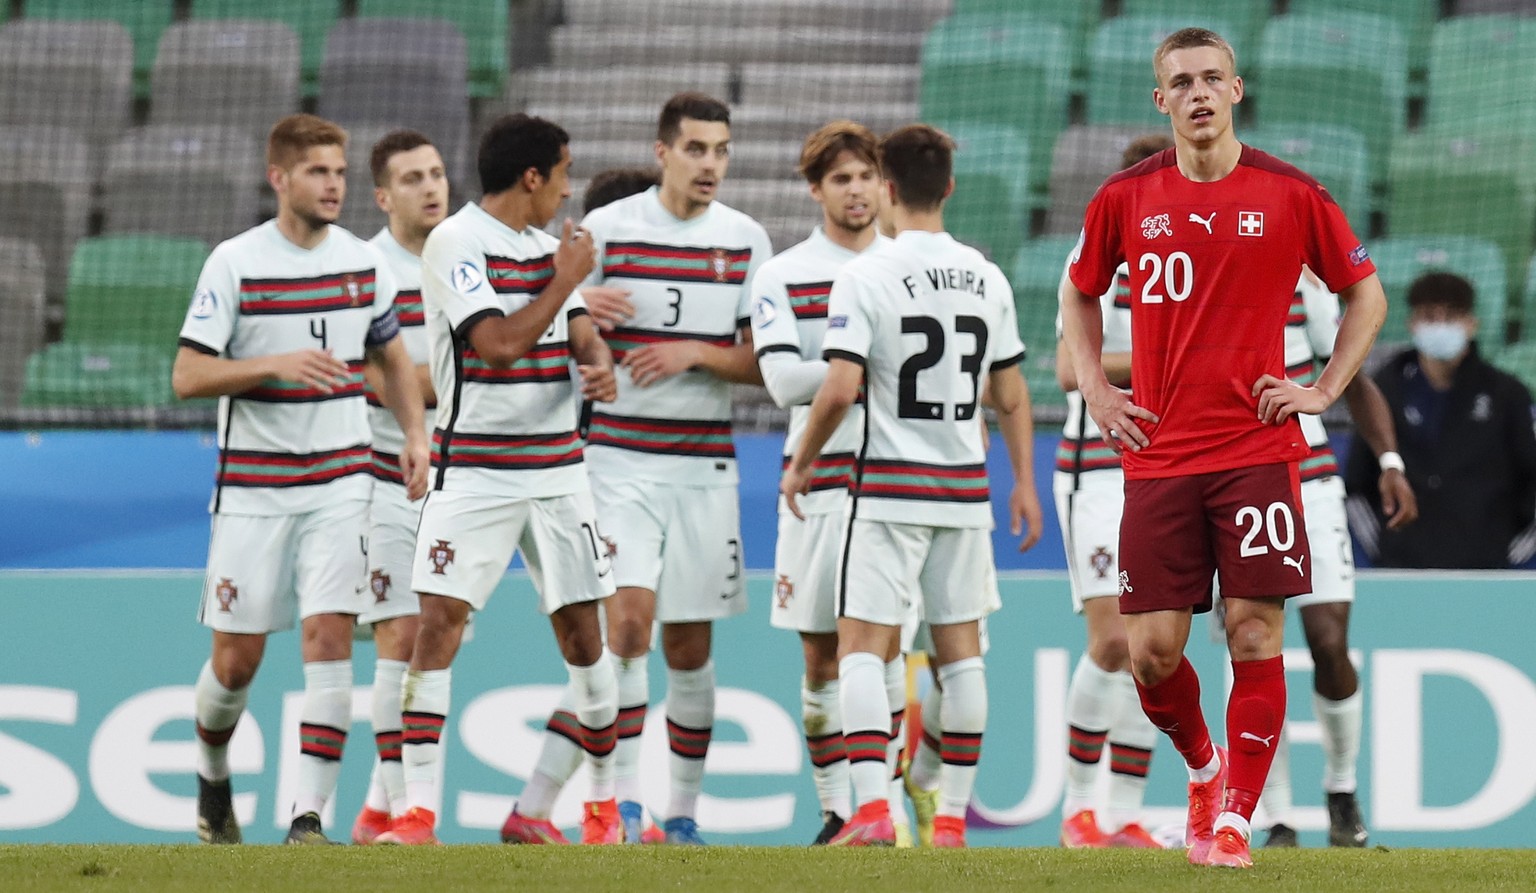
x=661, y=458
x=280, y=326
x=1336, y=700
x=789, y=318
x=917, y=323
x=505, y=321
x=411, y=186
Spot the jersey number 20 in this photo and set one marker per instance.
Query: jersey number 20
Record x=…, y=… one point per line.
x=1176, y=275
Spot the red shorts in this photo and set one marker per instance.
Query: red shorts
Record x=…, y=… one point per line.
x=1245, y=524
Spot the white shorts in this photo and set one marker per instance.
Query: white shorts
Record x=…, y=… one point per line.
x=885, y=566
x=392, y=520
x=1333, y=557
x=682, y=543
x=263, y=570
x=805, y=572
x=466, y=540
x=1090, y=530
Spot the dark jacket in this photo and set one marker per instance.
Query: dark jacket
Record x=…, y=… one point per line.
x=1475, y=481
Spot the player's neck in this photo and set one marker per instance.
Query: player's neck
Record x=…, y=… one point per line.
x=848, y=239
x=509, y=207
x=299, y=231
x=677, y=203
x=1209, y=163
x=918, y=221
x=409, y=238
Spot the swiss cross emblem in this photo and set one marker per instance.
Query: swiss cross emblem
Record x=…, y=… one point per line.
x=379, y=582
x=1101, y=559
x=354, y=291
x=720, y=263
x=440, y=554
x=226, y=592
x=784, y=590
x=1250, y=223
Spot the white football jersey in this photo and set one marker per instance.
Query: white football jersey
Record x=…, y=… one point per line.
x=1082, y=446
x=287, y=448
x=927, y=317
x=1310, y=330
x=688, y=281
x=388, y=439
x=789, y=314
x=512, y=431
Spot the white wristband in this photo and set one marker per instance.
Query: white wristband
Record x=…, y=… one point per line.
x=1391, y=461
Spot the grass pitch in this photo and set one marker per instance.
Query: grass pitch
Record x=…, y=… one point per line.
x=172, y=869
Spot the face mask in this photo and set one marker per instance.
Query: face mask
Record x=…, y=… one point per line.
x=1440, y=340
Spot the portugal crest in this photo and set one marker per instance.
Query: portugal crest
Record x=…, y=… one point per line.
x=440, y=554
x=354, y=291
x=378, y=581
x=784, y=590
x=226, y=592
x=1101, y=560
x=720, y=263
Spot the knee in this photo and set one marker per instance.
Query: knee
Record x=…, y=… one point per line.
x=629, y=636
x=1151, y=666
x=687, y=653
x=235, y=669
x=1111, y=653
x=582, y=647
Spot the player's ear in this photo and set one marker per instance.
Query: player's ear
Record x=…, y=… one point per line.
x=381, y=198
x=532, y=179
x=661, y=153
x=1237, y=89
x=1159, y=100
x=277, y=178
x=949, y=188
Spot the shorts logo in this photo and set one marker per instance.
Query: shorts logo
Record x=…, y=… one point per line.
x=719, y=262
x=1152, y=227
x=784, y=590
x=1125, y=583
x=1100, y=561
x=440, y=554
x=379, y=582
x=354, y=291
x=1250, y=223
x=226, y=592
x=1288, y=561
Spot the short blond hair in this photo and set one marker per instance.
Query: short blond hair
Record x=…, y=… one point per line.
x=1188, y=39
x=294, y=135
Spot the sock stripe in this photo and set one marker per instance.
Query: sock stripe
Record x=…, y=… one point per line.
x=421, y=728
x=388, y=744
x=325, y=742
x=1127, y=760
x=688, y=743
x=1083, y=745
x=826, y=749
x=897, y=718
x=214, y=738
x=600, y=742
x=565, y=724
x=960, y=748
x=931, y=742
x=866, y=747
x=631, y=721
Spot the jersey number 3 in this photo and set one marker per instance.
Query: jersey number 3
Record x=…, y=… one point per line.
x=908, y=406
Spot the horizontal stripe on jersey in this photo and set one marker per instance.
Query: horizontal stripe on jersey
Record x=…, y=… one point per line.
x=1321, y=463
x=372, y=397
x=809, y=300
x=704, y=438
x=1123, y=290
x=318, y=294
x=896, y=479
x=519, y=277
x=643, y=260
x=275, y=390
x=259, y=468
x=1303, y=373
x=408, y=307
x=544, y=363
x=831, y=471
x=386, y=467
x=1298, y=312
x=623, y=340
x=509, y=451
x=1085, y=455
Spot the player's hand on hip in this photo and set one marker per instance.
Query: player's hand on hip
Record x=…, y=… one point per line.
x=576, y=256
x=314, y=367
x=658, y=362
x=792, y=485
x=609, y=306
x=1112, y=410
x=416, y=465
x=1398, y=503
x=1024, y=511
x=598, y=384
x=1281, y=398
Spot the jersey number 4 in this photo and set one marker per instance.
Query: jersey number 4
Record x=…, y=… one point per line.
x=908, y=406
x=1176, y=276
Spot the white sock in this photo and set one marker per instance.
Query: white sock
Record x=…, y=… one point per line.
x=896, y=702
x=1207, y=772
x=866, y=725
x=1275, y=799
x=1235, y=821
x=386, y=789
x=690, y=725
x=323, y=723
x=926, y=764
x=1340, y=721
x=821, y=716
x=1132, y=738
x=218, y=710
x=559, y=758
x=1091, y=705
x=595, y=695
x=424, y=709
x=964, y=717
x=634, y=697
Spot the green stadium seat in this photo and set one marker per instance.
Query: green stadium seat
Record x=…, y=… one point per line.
x=1519, y=360
x=1416, y=18
x=1344, y=68
x=1400, y=260
x=1078, y=18
x=1469, y=185
x=1010, y=70
x=145, y=20
x=99, y=376
x=311, y=20
x=1120, y=79
x=1035, y=278
x=1481, y=76
x=990, y=206
x=485, y=26
x=131, y=289
x=1335, y=155
x=1244, y=18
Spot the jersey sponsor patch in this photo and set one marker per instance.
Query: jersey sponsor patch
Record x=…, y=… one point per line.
x=838, y=322
x=204, y=302
x=466, y=276
x=763, y=311
x=1359, y=255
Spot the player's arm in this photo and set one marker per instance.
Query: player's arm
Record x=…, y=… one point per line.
x=791, y=380
x=658, y=362
x=374, y=375
x=1365, y=308
x=838, y=392
x=1116, y=364
x=594, y=361
x=1373, y=422
x=1010, y=397
x=1082, y=336
x=403, y=399
x=198, y=373
x=503, y=340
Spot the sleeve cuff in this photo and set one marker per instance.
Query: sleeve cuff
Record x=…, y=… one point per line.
x=462, y=329
x=575, y=312
x=833, y=353
x=776, y=348
x=198, y=346
x=1008, y=361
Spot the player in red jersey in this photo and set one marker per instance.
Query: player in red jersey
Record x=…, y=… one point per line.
x=1215, y=234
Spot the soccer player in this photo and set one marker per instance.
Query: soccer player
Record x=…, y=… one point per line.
x=283, y=318
x=917, y=323
x=661, y=459
x=1215, y=234
x=411, y=186
x=607, y=187
x=789, y=318
x=505, y=320
x=1089, y=486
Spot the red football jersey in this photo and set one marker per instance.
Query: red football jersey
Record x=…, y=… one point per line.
x=1213, y=273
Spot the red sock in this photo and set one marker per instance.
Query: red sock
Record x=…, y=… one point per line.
x=1254, y=717
x=1173, y=705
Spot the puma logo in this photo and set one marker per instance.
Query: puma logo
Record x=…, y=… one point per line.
x=1294, y=562
x=1203, y=221
x=1252, y=737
